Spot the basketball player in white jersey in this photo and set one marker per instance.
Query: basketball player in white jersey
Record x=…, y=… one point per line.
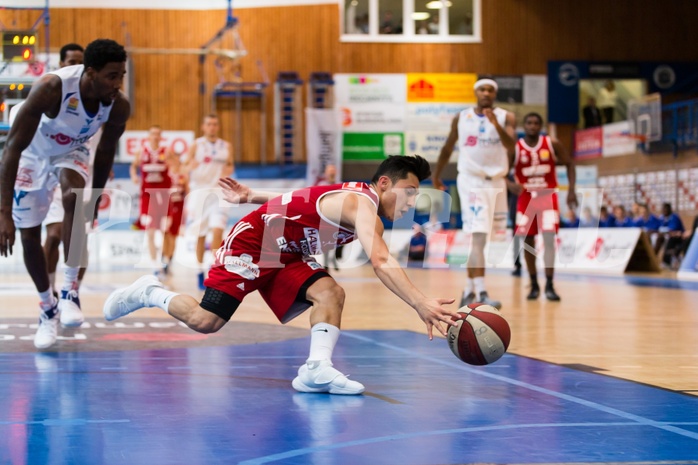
x=485, y=135
x=70, y=55
x=209, y=159
x=48, y=145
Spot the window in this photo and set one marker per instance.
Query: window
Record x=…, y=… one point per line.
x=429, y=21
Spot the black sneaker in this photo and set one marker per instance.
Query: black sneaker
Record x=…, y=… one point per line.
x=516, y=272
x=535, y=292
x=485, y=299
x=467, y=299
x=551, y=295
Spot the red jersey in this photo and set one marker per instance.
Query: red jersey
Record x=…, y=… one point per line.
x=154, y=169
x=292, y=225
x=534, y=167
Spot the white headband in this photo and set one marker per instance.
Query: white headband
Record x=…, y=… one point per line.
x=485, y=82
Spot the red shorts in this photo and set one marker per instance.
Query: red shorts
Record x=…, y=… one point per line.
x=154, y=206
x=281, y=278
x=174, y=216
x=537, y=211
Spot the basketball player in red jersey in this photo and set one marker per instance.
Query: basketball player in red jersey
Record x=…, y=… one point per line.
x=270, y=250
x=154, y=162
x=175, y=212
x=537, y=211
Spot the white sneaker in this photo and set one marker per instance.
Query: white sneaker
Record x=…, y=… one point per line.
x=47, y=333
x=128, y=299
x=322, y=377
x=69, y=308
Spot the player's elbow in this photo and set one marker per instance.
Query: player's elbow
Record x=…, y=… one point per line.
x=379, y=259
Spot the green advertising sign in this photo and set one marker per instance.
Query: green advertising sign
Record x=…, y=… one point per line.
x=372, y=146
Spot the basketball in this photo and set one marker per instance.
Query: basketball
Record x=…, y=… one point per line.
x=480, y=336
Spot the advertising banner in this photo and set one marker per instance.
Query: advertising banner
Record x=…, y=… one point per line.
x=131, y=141
x=426, y=144
x=370, y=117
x=441, y=87
x=588, y=143
x=353, y=89
x=371, y=146
x=618, y=140
x=321, y=143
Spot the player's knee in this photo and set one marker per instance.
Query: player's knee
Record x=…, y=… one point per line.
x=53, y=235
x=30, y=235
x=331, y=296
x=205, y=322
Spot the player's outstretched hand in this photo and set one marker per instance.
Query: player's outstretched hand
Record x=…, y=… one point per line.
x=233, y=191
x=433, y=314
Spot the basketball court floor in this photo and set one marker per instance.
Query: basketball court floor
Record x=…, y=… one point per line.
x=608, y=375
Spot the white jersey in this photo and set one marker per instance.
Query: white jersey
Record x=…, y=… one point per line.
x=13, y=112
x=211, y=158
x=73, y=126
x=480, y=150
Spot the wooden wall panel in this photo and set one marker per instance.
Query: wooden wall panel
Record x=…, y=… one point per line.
x=520, y=36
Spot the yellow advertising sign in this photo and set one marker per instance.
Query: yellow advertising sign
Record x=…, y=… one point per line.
x=441, y=87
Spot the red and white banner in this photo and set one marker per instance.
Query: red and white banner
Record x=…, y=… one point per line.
x=588, y=143
x=618, y=139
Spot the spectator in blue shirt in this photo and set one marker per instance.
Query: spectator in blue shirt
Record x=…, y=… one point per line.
x=418, y=245
x=646, y=220
x=671, y=231
x=606, y=220
x=621, y=219
x=588, y=220
x=570, y=220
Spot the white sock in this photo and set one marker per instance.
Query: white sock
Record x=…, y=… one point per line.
x=323, y=338
x=469, y=286
x=71, y=278
x=161, y=298
x=52, y=280
x=47, y=299
x=479, y=285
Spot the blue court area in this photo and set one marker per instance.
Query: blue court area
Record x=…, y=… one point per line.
x=235, y=404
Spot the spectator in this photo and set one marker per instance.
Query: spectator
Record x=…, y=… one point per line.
x=433, y=25
x=621, y=219
x=635, y=212
x=606, y=220
x=670, y=233
x=686, y=239
x=650, y=224
x=570, y=220
x=646, y=220
x=588, y=220
x=592, y=114
x=608, y=98
x=418, y=245
x=362, y=24
x=466, y=26
x=388, y=24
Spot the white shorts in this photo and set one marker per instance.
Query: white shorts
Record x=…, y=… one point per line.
x=55, y=210
x=205, y=210
x=37, y=178
x=483, y=204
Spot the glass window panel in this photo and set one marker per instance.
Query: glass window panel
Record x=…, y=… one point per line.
x=460, y=17
x=390, y=14
x=356, y=16
x=426, y=17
